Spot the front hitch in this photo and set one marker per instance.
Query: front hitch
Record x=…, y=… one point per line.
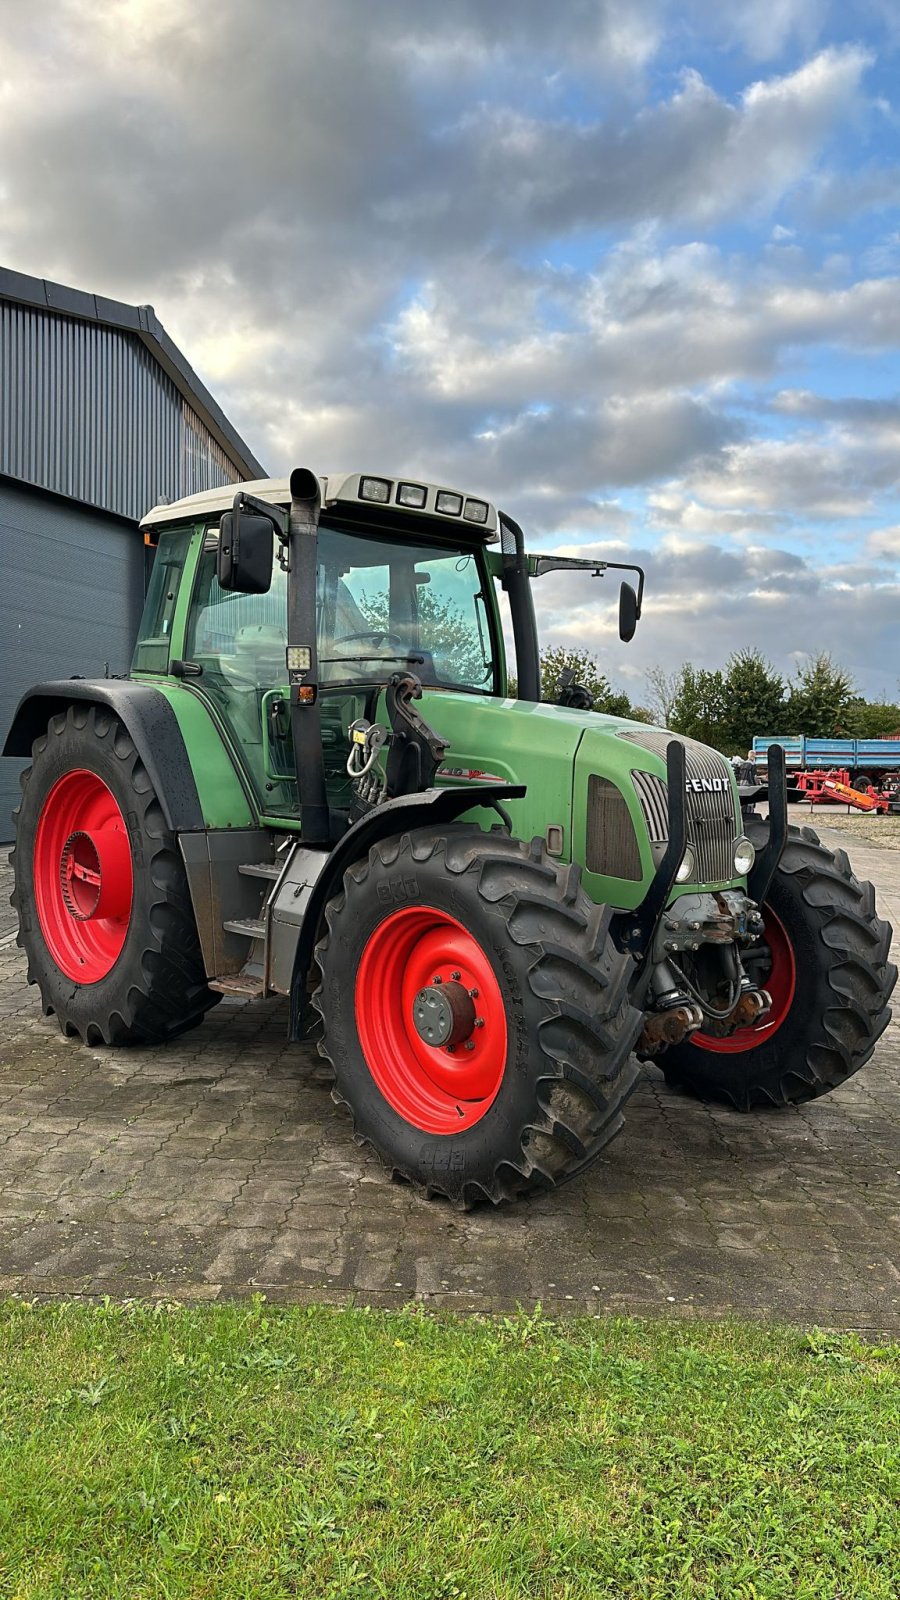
x=763, y=871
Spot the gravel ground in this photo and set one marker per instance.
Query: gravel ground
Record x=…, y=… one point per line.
x=865, y=826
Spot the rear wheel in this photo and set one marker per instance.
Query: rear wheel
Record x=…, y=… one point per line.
x=475, y=1014
x=105, y=916
x=824, y=960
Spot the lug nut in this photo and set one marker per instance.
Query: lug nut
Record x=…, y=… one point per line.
x=473, y=994
x=451, y=1049
x=437, y=980
x=456, y=976
x=479, y=1022
x=470, y=1044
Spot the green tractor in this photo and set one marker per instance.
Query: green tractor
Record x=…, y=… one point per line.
x=486, y=910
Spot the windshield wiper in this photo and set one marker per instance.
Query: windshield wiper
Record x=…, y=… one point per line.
x=328, y=661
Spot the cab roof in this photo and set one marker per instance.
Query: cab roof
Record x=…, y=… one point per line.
x=478, y=517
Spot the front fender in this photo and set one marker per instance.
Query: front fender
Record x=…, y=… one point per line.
x=151, y=724
x=429, y=807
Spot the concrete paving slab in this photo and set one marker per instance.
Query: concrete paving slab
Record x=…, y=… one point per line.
x=217, y=1167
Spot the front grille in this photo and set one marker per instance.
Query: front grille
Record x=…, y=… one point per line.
x=653, y=795
x=612, y=846
x=712, y=822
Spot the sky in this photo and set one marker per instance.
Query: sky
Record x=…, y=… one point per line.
x=630, y=270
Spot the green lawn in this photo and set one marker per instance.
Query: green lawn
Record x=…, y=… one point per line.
x=233, y=1451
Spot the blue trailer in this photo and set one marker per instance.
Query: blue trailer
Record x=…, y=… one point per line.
x=818, y=755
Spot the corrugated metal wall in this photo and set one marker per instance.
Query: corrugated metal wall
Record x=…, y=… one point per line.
x=72, y=587
x=86, y=411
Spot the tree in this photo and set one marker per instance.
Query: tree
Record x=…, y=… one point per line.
x=663, y=690
x=445, y=631
x=754, y=700
x=871, y=719
x=820, y=698
x=586, y=667
x=701, y=706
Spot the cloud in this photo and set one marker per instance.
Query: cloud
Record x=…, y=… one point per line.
x=763, y=29
x=645, y=320
x=834, y=198
x=702, y=602
x=531, y=249
x=828, y=477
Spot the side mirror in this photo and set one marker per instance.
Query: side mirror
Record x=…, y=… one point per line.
x=246, y=552
x=628, y=612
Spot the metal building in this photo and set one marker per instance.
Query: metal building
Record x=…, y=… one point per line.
x=101, y=417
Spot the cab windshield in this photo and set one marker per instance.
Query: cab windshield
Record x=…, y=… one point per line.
x=381, y=605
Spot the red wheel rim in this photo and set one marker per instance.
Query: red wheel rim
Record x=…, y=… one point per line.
x=416, y=958
x=781, y=984
x=83, y=881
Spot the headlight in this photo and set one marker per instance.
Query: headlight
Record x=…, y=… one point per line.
x=744, y=857
x=412, y=494
x=686, y=867
x=378, y=489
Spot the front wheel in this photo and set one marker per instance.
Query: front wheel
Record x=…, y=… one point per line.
x=475, y=1014
x=824, y=960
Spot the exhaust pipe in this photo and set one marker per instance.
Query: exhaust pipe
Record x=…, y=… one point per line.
x=303, y=665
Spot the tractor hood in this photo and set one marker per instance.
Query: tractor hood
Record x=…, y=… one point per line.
x=595, y=786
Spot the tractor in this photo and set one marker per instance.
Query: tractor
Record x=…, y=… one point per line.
x=485, y=910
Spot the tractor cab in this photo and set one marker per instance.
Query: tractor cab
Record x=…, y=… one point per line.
x=405, y=581
x=386, y=600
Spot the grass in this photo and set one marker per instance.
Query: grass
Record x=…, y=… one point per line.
x=237, y=1451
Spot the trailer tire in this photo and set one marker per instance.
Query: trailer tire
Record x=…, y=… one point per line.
x=831, y=979
x=534, y=1092
x=89, y=828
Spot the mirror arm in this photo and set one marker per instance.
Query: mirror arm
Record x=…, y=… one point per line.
x=279, y=519
x=276, y=515
x=544, y=564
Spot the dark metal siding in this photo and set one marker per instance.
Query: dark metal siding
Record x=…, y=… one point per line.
x=72, y=588
x=86, y=411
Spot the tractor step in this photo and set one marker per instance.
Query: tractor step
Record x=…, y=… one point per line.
x=248, y=926
x=241, y=984
x=260, y=869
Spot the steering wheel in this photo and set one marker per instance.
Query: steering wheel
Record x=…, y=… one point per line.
x=379, y=636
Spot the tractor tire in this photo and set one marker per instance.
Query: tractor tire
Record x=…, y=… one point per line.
x=830, y=979
x=105, y=916
x=491, y=933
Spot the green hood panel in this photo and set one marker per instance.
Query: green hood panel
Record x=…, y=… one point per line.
x=554, y=751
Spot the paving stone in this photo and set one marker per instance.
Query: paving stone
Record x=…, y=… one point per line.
x=218, y=1166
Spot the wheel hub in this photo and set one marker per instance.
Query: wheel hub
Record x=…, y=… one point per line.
x=94, y=874
x=444, y=1014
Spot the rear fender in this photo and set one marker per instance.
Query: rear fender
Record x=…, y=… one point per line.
x=151, y=724
x=427, y=809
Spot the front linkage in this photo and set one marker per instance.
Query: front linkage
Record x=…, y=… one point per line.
x=712, y=928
